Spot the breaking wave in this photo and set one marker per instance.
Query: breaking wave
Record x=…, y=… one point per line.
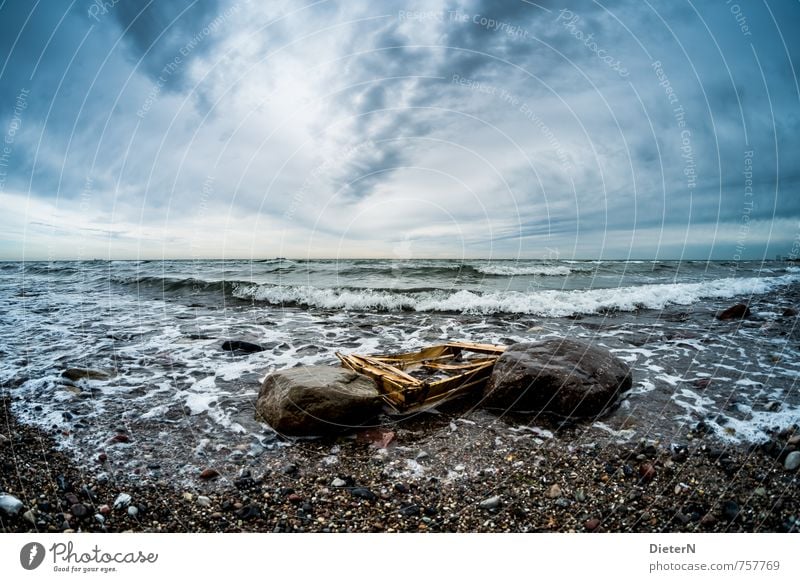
x=543, y=303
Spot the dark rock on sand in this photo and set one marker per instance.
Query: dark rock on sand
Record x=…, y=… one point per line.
x=315, y=400
x=363, y=493
x=241, y=346
x=76, y=374
x=564, y=376
x=208, y=474
x=738, y=311
x=730, y=510
x=789, y=312
x=79, y=510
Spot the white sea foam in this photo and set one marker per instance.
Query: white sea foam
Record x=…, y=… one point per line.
x=511, y=270
x=545, y=303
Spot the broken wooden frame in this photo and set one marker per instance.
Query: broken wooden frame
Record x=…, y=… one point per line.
x=405, y=393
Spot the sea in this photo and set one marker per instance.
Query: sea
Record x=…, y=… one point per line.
x=156, y=328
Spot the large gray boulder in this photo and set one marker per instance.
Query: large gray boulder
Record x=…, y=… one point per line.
x=317, y=400
x=563, y=376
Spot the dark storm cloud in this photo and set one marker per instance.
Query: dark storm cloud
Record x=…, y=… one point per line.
x=155, y=32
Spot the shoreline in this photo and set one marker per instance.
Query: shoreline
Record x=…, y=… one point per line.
x=448, y=472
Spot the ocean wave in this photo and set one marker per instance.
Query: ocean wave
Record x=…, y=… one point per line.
x=540, y=270
x=541, y=303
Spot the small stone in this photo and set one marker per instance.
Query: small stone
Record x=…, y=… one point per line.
x=730, y=510
x=401, y=488
x=789, y=312
x=120, y=438
x=422, y=455
x=459, y=468
x=10, y=504
x=338, y=482
x=294, y=498
x=554, y=492
x=3, y=439
x=29, y=516
x=203, y=501
x=792, y=461
x=412, y=510
x=289, y=469
x=104, y=509
x=133, y=511
x=490, y=503
x=363, y=493
x=99, y=518
x=592, y=524
x=102, y=458
x=188, y=496
x=760, y=491
x=708, y=520
x=122, y=500
x=208, y=474
x=580, y=495
x=647, y=472
x=795, y=440
x=79, y=510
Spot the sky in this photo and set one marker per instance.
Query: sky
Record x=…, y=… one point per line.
x=138, y=129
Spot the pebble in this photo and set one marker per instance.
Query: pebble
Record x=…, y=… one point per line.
x=133, y=511
x=29, y=516
x=708, y=520
x=554, y=492
x=10, y=504
x=203, y=501
x=99, y=518
x=647, y=472
x=592, y=524
x=294, y=498
x=188, y=496
x=580, y=495
x=338, y=482
x=79, y=510
x=490, y=503
x=795, y=440
x=730, y=510
x=104, y=509
x=459, y=468
x=289, y=469
x=363, y=493
x=209, y=473
x=3, y=439
x=792, y=461
x=421, y=455
x=401, y=488
x=102, y=458
x=122, y=500
x=120, y=438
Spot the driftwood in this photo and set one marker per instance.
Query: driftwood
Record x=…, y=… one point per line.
x=442, y=372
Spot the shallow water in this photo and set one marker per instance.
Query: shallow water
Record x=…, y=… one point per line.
x=158, y=326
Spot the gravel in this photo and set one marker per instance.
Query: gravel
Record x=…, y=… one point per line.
x=511, y=481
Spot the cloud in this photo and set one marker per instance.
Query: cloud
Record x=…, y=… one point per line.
x=454, y=126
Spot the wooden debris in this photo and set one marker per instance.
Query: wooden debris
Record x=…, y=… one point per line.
x=442, y=372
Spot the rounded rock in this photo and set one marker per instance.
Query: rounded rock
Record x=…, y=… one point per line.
x=792, y=461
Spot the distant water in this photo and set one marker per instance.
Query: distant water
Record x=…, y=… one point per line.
x=158, y=326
